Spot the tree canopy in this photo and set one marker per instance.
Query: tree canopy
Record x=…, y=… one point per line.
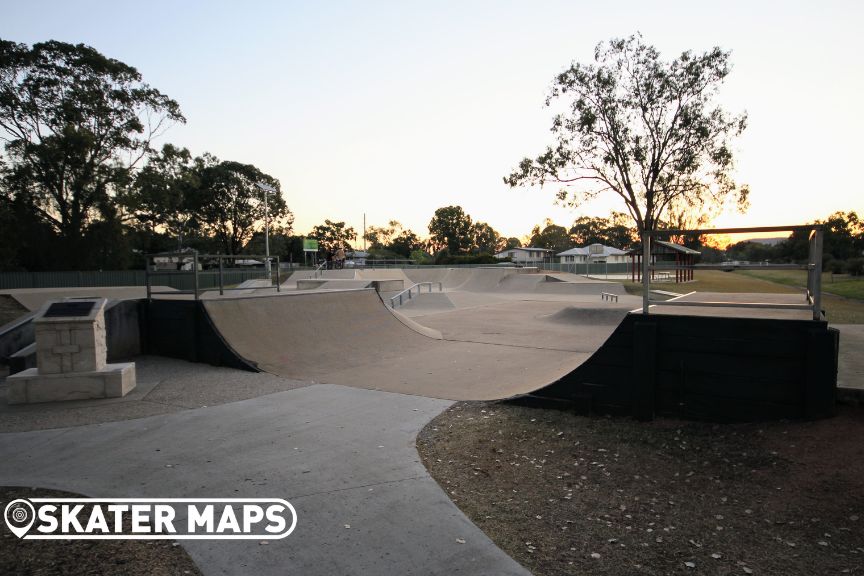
x=450, y=229
x=74, y=124
x=551, y=236
x=332, y=235
x=231, y=204
x=392, y=241
x=646, y=129
x=615, y=231
x=164, y=194
x=453, y=230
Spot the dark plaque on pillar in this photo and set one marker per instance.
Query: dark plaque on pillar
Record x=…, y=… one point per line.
x=70, y=309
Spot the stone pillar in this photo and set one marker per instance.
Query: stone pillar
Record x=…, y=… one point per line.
x=71, y=357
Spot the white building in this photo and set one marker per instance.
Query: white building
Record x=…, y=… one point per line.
x=357, y=258
x=526, y=256
x=595, y=253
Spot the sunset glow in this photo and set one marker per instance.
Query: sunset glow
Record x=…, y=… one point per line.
x=395, y=109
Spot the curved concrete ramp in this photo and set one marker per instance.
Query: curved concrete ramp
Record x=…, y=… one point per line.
x=351, y=338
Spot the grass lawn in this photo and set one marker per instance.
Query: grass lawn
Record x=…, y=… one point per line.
x=839, y=284
x=717, y=281
x=843, y=301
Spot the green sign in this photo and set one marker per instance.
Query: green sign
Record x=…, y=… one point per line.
x=310, y=245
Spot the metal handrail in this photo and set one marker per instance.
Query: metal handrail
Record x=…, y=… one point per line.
x=195, y=258
x=408, y=291
x=319, y=270
x=813, y=294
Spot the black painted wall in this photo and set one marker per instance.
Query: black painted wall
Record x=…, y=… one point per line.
x=708, y=368
x=182, y=329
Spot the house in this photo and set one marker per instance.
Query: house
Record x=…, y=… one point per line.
x=357, y=259
x=179, y=260
x=526, y=256
x=595, y=253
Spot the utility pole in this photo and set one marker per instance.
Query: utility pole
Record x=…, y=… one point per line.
x=364, y=232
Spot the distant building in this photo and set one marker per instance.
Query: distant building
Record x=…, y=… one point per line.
x=179, y=260
x=679, y=257
x=594, y=253
x=357, y=258
x=526, y=256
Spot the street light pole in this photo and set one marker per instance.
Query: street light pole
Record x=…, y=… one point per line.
x=266, y=188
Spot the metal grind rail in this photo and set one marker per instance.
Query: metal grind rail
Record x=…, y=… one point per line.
x=813, y=296
x=195, y=259
x=409, y=292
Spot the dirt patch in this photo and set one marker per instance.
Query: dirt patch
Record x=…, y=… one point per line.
x=569, y=494
x=80, y=557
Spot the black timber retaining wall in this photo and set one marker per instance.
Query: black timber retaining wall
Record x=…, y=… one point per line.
x=708, y=368
x=183, y=329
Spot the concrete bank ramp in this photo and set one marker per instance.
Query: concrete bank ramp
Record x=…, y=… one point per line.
x=352, y=338
x=582, y=316
x=326, y=274
x=34, y=298
x=512, y=281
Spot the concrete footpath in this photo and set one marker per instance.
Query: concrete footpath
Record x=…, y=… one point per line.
x=344, y=457
x=850, y=369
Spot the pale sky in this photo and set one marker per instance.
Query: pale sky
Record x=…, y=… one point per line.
x=398, y=108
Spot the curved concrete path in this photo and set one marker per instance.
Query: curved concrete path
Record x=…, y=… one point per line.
x=342, y=456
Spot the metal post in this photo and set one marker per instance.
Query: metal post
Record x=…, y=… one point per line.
x=266, y=237
x=817, y=274
x=147, y=275
x=277, y=274
x=195, y=271
x=221, y=283
x=810, y=267
x=646, y=279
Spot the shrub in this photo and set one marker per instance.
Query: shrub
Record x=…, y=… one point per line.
x=855, y=266
x=835, y=266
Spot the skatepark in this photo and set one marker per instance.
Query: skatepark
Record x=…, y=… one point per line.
x=317, y=393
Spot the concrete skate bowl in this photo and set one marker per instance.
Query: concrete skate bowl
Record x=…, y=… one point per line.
x=718, y=368
x=352, y=338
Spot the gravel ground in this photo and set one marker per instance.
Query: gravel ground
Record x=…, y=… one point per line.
x=86, y=557
x=569, y=494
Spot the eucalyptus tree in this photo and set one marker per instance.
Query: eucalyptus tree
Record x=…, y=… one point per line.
x=74, y=124
x=230, y=205
x=649, y=130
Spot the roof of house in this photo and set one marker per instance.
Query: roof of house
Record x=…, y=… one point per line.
x=525, y=249
x=669, y=246
x=585, y=251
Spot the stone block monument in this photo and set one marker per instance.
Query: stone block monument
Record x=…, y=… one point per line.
x=71, y=357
